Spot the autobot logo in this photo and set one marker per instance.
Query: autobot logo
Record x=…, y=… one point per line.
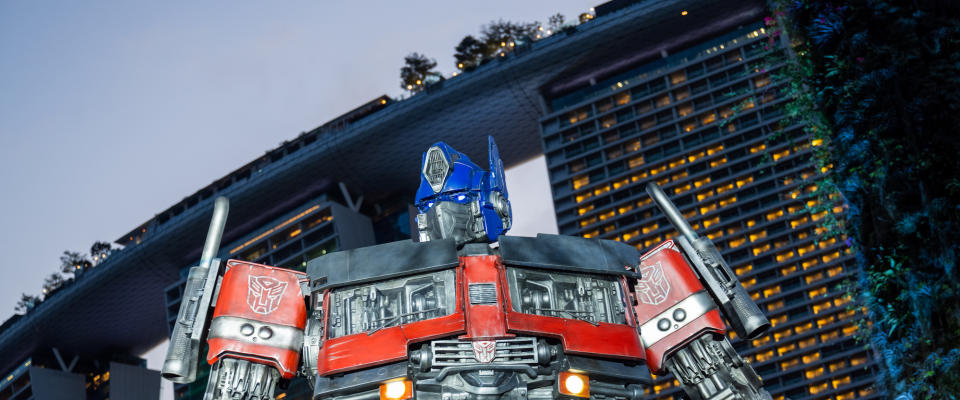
x=264, y=294
x=653, y=287
x=484, y=350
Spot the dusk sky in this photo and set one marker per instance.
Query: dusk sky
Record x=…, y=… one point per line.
x=112, y=111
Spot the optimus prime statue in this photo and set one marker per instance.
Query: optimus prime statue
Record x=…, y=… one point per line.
x=468, y=313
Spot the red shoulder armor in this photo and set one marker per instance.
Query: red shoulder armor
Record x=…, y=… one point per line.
x=260, y=316
x=673, y=308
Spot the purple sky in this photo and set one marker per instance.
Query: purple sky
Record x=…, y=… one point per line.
x=112, y=111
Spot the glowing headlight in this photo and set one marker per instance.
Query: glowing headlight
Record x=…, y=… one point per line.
x=573, y=384
x=396, y=390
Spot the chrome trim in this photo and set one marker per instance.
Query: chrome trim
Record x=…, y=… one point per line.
x=694, y=306
x=282, y=336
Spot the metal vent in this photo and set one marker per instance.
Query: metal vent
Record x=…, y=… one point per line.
x=483, y=293
x=448, y=353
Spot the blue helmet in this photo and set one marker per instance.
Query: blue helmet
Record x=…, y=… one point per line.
x=457, y=199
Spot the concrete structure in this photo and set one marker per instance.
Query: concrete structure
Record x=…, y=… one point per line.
x=641, y=92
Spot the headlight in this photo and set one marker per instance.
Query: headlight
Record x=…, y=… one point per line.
x=374, y=306
x=573, y=384
x=587, y=297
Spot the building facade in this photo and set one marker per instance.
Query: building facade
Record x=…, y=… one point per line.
x=707, y=123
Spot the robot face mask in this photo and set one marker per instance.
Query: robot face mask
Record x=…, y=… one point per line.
x=459, y=200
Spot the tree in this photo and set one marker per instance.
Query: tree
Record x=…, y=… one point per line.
x=53, y=282
x=26, y=302
x=72, y=262
x=99, y=251
x=555, y=22
x=418, y=72
x=469, y=53
x=504, y=35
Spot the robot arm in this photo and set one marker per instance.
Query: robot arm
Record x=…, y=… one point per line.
x=255, y=332
x=682, y=283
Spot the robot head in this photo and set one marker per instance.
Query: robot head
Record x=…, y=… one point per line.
x=459, y=200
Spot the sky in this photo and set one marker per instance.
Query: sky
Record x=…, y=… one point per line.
x=112, y=111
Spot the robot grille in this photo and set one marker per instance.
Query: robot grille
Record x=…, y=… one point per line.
x=436, y=168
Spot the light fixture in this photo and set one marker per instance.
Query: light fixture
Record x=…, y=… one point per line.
x=399, y=389
x=573, y=384
x=684, y=12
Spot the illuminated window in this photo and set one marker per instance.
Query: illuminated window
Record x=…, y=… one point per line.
x=728, y=201
x=836, y=366
x=749, y=282
x=793, y=362
x=718, y=162
x=788, y=270
x=708, y=118
x=724, y=188
x=704, y=195
x=608, y=214
x=849, y=330
x=818, y=216
x=580, y=181
x=758, y=147
x=803, y=327
x=775, y=306
x=786, y=349
x=784, y=256
x=678, y=176
x=813, y=373
x=588, y=221
x=744, y=181
x=814, y=389
x=624, y=208
x=608, y=121
x=711, y=221
x=799, y=221
x=809, y=263
x=583, y=196
x=701, y=182
x=778, y=320
x=677, y=77
x=707, y=208
x=584, y=210
x=601, y=190
x=858, y=361
x=761, y=341
x=715, y=149
x=652, y=241
x=622, y=98
x=650, y=228
x=771, y=291
x=807, y=342
x=591, y=234
x=609, y=228
x=761, y=81
x=760, y=249
x=822, y=306
x=695, y=157
x=644, y=202
x=844, y=396
x=814, y=277
x=826, y=243
x=774, y=215
x=685, y=110
x=632, y=234
x=761, y=357
x=781, y=154
x=830, y=257
x=737, y=243
x=782, y=335
x=834, y=271
x=827, y=321
x=638, y=176
x=658, y=170
x=689, y=126
x=714, y=235
x=621, y=183
x=822, y=290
